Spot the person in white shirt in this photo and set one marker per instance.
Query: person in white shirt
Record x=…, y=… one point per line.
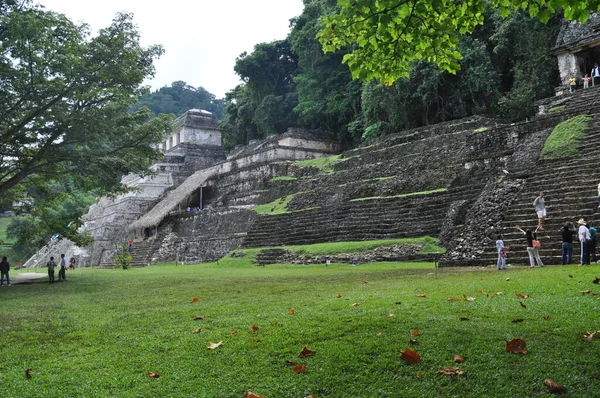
x=584, y=236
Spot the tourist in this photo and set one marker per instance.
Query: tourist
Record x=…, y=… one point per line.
x=595, y=75
x=584, y=236
x=4, y=268
x=63, y=267
x=51, y=265
x=130, y=243
x=567, y=231
x=592, y=242
x=586, y=81
x=599, y=195
x=72, y=263
x=533, y=246
x=501, y=263
x=540, y=209
x=572, y=84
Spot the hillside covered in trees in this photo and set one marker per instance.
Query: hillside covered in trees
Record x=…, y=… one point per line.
x=505, y=66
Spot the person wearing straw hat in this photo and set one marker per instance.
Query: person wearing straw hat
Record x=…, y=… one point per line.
x=584, y=237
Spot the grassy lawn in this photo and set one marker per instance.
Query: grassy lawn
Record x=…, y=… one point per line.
x=103, y=331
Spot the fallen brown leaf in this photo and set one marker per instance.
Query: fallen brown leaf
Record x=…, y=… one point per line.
x=28, y=373
x=194, y=300
x=589, y=335
x=357, y=304
x=153, y=375
x=459, y=359
x=481, y=291
x=398, y=302
x=291, y=311
x=421, y=295
x=516, y=346
x=546, y=317
x=300, y=368
x=419, y=374
x=256, y=340
x=198, y=318
x=410, y=357
x=415, y=333
x=366, y=282
x=570, y=276
x=499, y=293
x=306, y=353
x=523, y=296
x=338, y=295
x=453, y=299
x=197, y=330
x=523, y=304
x=586, y=292
x=464, y=318
x=249, y=394
x=254, y=328
x=517, y=320
x=212, y=346
x=470, y=298
x=554, y=387
x=596, y=280
x=450, y=371
x=390, y=315
x=507, y=279
x=234, y=331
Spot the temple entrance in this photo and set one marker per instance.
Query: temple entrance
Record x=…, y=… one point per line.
x=586, y=59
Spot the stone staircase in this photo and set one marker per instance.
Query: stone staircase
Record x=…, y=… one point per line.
x=570, y=187
x=141, y=251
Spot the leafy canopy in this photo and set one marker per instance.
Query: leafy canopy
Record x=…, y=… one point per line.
x=64, y=107
x=384, y=37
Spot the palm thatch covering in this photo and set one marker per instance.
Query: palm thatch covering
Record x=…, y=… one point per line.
x=173, y=199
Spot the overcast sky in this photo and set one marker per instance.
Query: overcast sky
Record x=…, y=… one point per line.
x=201, y=38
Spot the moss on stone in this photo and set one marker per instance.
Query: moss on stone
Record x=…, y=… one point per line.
x=481, y=129
x=278, y=206
x=283, y=178
x=402, y=195
x=564, y=139
x=324, y=163
x=556, y=108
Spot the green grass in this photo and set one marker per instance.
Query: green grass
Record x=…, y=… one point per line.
x=278, y=206
x=324, y=163
x=430, y=245
x=481, y=129
x=402, y=195
x=100, y=333
x=557, y=108
x=283, y=178
x=564, y=139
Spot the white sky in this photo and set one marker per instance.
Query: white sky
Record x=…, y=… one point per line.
x=201, y=38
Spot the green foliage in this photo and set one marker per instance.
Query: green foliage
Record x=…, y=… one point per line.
x=564, y=139
x=557, y=108
x=386, y=37
x=179, y=98
x=481, y=129
x=114, y=327
x=4, y=223
x=64, y=110
x=123, y=257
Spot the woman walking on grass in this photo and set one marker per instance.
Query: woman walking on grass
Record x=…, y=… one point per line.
x=533, y=246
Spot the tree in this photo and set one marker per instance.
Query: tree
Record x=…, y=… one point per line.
x=64, y=101
x=385, y=37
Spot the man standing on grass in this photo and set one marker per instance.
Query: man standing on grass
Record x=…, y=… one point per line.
x=51, y=264
x=584, y=236
x=63, y=267
x=4, y=268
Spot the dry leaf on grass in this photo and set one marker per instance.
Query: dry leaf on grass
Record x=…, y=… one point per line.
x=523, y=304
x=421, y=295
x=450, y=371
x=390, y=315
x=570, y=276
x=254, y=328
x=356, y=304
x=523, y=296
x=517, y=320
x=586, y=292
x=338, y=295
x=464, y=318
x=470, y=298
x=194, y=300
x=212, y=346
x=596, y=280
x=410, y=357
x=300, y=368
x=481, y=291
x=507, y=279
x=289, y=363
x=516, y=346
x=554, y=387
x=546, y=317
x=234, y=331
x=419, y=375
x=398, y=302
x=306, y=353
x=590, y=336
x=413, y=341
x=366, y=282
x=197, y=330
x=415, y=333
x=453, y=299
x=499, y=293
x=198, y=318
x=28, y=373
x=291, y=311
x=153, y=375
x=459, y=359
x=249, y=394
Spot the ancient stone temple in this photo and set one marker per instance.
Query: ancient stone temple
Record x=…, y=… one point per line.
x=577, y=49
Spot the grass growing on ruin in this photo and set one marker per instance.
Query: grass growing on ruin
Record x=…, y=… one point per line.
x=564, y=139
x=283, y=178
x=101, y=333
x=278, y=206
x=402, y=195
x=324, y=163
x=557, y=108
x=481, y=129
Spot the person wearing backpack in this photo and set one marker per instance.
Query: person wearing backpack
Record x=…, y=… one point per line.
x=51, y=265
